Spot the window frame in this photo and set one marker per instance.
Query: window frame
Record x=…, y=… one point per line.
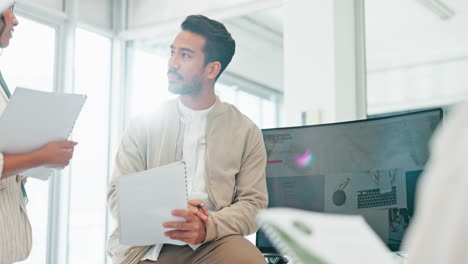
x=254, y=88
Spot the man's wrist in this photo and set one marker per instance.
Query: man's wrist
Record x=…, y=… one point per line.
x=204, y=233
x=211, y=232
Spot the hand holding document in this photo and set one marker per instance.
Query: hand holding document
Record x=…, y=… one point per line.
x=319, y=238
x=145, y=201
x=34, y=118
x=57, y=154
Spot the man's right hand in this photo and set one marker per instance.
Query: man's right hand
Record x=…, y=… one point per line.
x=57, y=154
x=202, y=212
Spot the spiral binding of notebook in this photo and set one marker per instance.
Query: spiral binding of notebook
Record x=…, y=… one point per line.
x=138, y=226
x=287, y=245
x=186, y=183
x=278, y=243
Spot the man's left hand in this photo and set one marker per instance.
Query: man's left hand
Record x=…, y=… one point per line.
x=192, y=231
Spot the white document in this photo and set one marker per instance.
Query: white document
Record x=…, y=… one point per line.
x=145, y=201
x=35, y=118
x=311, y=237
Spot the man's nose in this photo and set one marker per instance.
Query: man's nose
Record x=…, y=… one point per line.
x=173, y=63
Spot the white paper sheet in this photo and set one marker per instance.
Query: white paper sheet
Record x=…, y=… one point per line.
x=145, y=201
x=34, y=118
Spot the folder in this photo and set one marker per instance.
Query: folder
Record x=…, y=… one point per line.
x=34, y=118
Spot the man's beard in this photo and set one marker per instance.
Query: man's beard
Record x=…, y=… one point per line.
x=192, y=88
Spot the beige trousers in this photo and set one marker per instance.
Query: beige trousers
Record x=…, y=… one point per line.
x=233, y=249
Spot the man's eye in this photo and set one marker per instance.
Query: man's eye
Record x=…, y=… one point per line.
x=172, y=53
x=185, y=55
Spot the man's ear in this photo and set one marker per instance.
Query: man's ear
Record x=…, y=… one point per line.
x=213, y=68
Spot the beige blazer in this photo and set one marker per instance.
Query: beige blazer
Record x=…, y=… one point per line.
x=235, y=162
x=15, y=230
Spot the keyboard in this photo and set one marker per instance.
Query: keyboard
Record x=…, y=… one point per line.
x=373, y=198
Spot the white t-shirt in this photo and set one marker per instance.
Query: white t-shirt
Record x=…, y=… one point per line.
x=194, y=152
x=194, y=155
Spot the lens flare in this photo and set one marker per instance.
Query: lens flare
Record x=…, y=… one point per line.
x=305, y=160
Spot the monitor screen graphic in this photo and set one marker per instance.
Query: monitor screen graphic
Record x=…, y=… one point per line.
x=368, y=167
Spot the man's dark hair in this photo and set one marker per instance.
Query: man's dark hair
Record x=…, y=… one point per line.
x=219, y=46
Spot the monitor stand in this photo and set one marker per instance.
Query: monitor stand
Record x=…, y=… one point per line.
x=275, y=259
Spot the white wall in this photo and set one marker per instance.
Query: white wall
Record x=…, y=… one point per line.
x=345, y=62
x=319, y=62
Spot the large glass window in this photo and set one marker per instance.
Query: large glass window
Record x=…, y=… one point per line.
x=261, y=107
x=149, y=88
x=89, y=171
x=148, y=81
x=415, y=63
x=29, y=62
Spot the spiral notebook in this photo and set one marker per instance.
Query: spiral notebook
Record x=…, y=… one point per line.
x=318, y=238
x=34, y=118
x=145, y=201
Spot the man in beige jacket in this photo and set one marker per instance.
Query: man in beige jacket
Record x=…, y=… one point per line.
x=223, y=150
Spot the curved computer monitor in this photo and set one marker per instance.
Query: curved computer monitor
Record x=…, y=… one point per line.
x=367, y=167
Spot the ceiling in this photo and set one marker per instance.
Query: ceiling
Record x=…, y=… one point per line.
x=399, y=32
x=271, y=18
